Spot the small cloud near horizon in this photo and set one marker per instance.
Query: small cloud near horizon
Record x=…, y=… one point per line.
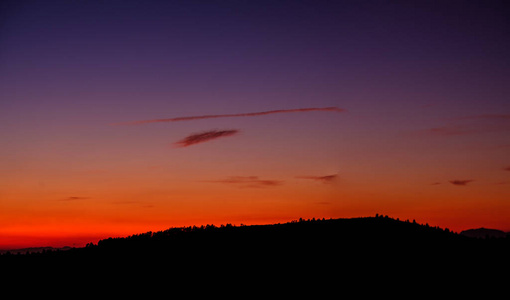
x=323, y=203
x=204, y=137
x=460, y=182
x=248, y=181
x=74, y=198
x=485, y=117
x=474, y=124
x=323, y=179
x=133, y=202
x=449, y=130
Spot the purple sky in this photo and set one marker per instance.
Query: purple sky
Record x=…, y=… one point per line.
x=106, y=60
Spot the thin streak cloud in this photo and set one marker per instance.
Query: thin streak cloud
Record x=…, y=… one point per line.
x=74, y=198
x=485, y=117
x=475, y=124
x=324, y=179
x=460, y=182
x=248, y=181
x=204, y=137
x=253, y=114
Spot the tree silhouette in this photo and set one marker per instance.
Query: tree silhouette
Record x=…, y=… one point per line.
x=315, y=241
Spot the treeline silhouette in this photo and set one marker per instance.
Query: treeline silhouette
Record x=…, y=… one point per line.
x=312, y=242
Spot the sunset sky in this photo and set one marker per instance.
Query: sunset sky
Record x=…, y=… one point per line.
x=120, y=117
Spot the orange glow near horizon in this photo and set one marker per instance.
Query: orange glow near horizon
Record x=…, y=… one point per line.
x=50, y=205
x=76, y=221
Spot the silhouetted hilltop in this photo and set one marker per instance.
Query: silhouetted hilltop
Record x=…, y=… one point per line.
x=333, y=235
x=484, y=233
x=34, y=250
x=375, y=243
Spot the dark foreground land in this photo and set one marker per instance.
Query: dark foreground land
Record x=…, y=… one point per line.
x=320, y=257
x=338, y=242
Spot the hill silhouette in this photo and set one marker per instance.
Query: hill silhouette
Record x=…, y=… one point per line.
x=34, y=250
x=333, y=242
x=484, y=233
x=319, y=257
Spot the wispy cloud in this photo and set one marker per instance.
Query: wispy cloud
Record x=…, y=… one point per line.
x=506, y=169
x=450, y=130
x=485, y=117
x=324, y=179
x=248, y=181
x=133, y=202
x=460, y=182
x=502, y=146
x=204, y=137
x=74, y=198
x=253, y=114
x=474, y=124
x=503, y=182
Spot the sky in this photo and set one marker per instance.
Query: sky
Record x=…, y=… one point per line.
x=121, y=117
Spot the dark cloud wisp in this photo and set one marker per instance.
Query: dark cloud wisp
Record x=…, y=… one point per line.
x=485, y=117
x=475, y=124
x=204, y=137
x=324, y=179
x=248, y=181
x=460, y=182
x=253, y=114
x=74, y=198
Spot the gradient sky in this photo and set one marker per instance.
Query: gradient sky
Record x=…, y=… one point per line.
x=422, y=129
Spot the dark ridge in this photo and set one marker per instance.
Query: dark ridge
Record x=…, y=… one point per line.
x=34, y=250
x=484, y=233
x=323, y=244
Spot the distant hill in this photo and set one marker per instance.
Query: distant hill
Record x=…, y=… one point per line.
x=34, y=250
x=484, y=233
x=319, y=244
